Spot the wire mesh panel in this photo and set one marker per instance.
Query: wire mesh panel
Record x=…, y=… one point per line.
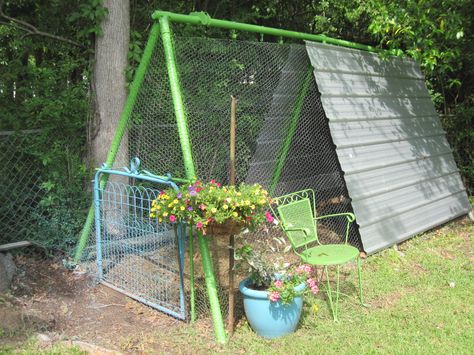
x=283, y=139
x=21, y=189
x=135, y=253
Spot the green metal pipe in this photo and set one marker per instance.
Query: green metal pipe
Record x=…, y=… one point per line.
x=182, y=124
x=285, y=149
x=192, y=297
x=211, y=285
x=121, y=127
x=201, y=18
x=178, y=104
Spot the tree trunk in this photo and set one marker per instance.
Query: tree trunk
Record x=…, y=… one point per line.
x=111, y=51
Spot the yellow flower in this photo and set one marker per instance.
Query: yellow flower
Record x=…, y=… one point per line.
x=152, y=215
x=252, y=207
x=213, y=210
x=175, y=201
x=170, y=205
x=247, y=202
x=158, y=207
x=239, y=194
x=182, y=208
x=262, y=201
x=165, y=214
x=235, y=214
x=314, y=308
x=228, y=199
x=225, y=207
x=160, y=219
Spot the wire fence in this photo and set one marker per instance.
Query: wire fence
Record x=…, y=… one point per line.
x=283, y=142
x=21, y=186
x=283, y=137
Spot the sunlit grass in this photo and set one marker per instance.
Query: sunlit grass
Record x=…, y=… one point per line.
x=420, y=295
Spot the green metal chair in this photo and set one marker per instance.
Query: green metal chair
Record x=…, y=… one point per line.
x=297, y=215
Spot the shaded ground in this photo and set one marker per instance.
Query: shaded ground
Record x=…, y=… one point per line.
x=48, y=299
x=420, y=295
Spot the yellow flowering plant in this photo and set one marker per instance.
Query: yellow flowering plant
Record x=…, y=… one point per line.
x=201, y=204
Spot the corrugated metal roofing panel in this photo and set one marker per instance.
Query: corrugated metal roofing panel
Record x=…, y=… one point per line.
x=398, y=166
x=347, y=134
x=340, y=84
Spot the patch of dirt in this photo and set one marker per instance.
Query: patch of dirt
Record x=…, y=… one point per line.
x=391, y=299
x=45, y=297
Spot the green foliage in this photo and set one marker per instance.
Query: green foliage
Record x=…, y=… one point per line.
x=87, y=18
x=44, y=85
x=433, y=33
x=135, y=52
x=260, y=270
x=460, y=134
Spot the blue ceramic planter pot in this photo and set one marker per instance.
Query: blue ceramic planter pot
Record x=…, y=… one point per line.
x=270, y=319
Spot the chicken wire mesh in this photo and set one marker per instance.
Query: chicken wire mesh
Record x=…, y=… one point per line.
x=21, y=190
x=283, y=137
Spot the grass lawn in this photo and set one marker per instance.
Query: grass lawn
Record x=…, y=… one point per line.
x=421, y=297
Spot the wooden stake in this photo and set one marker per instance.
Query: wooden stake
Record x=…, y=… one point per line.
x=232, y=180
x=233, y=133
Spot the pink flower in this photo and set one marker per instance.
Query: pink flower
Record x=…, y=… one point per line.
x=314, y=289
x=269, y=217
x=172, y=218
x=213, y=181
x=202, y=207
x=311, y=282
x=278, y=283
x=305, y=268
x=274, y=296
x=199, y=225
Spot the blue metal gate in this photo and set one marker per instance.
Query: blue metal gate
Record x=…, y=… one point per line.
x=137, y=255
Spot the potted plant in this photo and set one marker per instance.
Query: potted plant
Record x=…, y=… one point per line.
x=273, y=293
x=212, y=208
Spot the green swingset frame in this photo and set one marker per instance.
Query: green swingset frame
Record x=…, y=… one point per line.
x=162, y=28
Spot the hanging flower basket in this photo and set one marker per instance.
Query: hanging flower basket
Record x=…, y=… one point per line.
x=229, y=227
x=212, y=208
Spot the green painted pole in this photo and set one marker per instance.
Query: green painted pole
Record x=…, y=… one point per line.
x=121, y=127
x=285, y=149
x=191, y=277
x=201, y=18
x=211, y=285
x=182, y=124
x=175, y=88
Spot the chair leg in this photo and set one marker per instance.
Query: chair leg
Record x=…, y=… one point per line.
x=359, y=268
x=333, y=305
x=337, y=293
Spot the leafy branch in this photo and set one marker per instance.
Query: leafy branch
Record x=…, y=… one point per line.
x=32, y=30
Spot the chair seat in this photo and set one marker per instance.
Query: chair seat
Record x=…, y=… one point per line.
x=330, y=254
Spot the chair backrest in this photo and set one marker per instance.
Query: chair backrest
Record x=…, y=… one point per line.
x=296, y=210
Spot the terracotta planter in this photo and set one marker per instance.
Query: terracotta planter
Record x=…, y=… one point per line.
x=229, y=227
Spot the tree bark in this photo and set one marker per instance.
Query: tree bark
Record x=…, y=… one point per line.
x=111, y=51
